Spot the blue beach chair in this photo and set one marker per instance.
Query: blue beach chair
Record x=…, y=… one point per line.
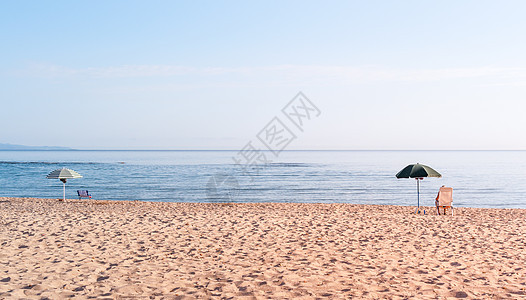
x=83, y=194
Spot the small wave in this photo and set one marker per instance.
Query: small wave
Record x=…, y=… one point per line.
x=47, y=163
x=289, y=165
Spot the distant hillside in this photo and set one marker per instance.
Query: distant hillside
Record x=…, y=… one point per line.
x=5, y=147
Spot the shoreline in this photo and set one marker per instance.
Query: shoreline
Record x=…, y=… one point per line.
x=426, y=207
x=113, y=249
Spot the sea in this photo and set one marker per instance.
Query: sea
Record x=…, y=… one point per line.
x=487, y=179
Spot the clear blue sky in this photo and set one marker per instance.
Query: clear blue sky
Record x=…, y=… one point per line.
x=212, y=74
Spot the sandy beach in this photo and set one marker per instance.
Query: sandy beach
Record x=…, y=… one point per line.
x=117, y=250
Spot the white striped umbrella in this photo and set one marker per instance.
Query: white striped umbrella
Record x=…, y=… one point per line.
x=63, y=174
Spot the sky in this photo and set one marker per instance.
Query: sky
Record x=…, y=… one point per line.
x=204, y=75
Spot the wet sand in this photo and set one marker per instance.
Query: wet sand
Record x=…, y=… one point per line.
x=117, y=250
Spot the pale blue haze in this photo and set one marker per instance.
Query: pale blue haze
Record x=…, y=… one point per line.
x=211, y=74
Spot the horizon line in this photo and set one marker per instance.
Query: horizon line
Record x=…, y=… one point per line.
x=264, y=150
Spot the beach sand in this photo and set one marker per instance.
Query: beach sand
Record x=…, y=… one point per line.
x=123, y=250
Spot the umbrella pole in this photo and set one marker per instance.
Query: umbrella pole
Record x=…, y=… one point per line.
x=418, y=188
x=64, y=194
x=418, y=195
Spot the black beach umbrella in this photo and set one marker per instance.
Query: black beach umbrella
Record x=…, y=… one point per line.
x=418, y=172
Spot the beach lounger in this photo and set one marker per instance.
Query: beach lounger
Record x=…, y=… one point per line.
x=444, y=200
x=83, y=194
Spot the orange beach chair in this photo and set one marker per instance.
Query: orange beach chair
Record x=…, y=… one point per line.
x=444, y=200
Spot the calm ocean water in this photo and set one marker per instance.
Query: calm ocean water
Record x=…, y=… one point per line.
x=479, y=178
